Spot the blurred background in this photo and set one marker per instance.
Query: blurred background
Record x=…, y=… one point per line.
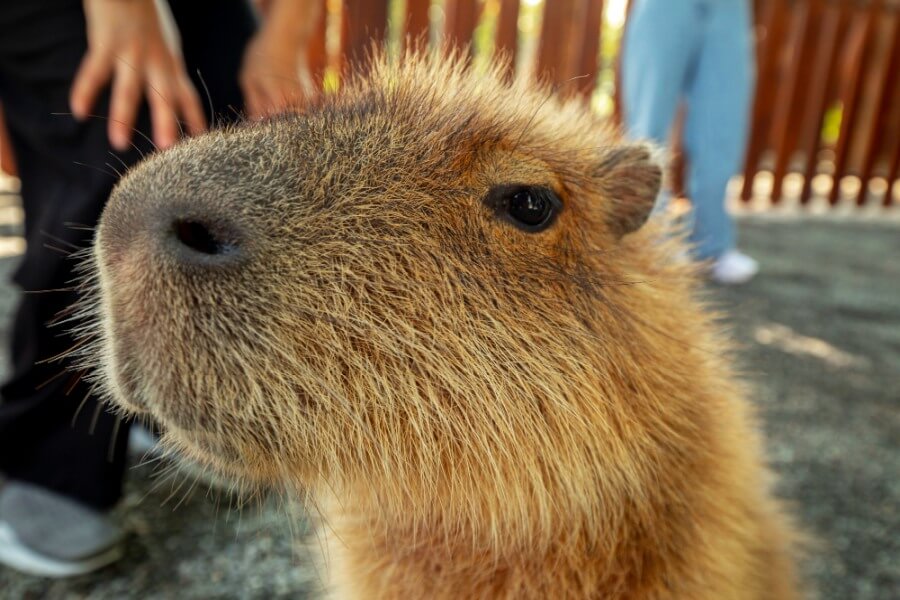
x=819, y=328
x=826, y=119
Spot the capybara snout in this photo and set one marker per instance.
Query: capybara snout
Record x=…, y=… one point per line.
x=251, y=274
x=177, y=218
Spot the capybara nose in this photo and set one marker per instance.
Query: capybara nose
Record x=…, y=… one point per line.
x=203, y=241
x=161, y=232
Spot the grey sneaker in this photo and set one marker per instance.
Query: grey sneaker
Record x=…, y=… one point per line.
x=143, y=443
x=43, y=533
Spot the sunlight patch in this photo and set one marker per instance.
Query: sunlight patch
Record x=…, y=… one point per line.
x=787, y=340
x=11, y=245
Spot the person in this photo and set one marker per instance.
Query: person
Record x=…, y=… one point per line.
x=80, y=83
x=699, y=51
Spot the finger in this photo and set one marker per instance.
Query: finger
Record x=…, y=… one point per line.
x=267, y=102
x=253, y=99
x=276, y=99
x=284, y=94
x=163, y=112
x=190, y=107
x=93, y=74
x=272, y=97
x=124, y=104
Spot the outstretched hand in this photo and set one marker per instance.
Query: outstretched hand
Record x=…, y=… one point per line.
x=270, y=74
x=133, y=45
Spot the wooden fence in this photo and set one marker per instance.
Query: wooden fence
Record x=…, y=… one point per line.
x=828, y=99
x=827, y=107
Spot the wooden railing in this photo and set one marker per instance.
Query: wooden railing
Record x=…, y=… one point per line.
x=567, y=46
x=828, y=98
x=827, y=107
x=7, y=160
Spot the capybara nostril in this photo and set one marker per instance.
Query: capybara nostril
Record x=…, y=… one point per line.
x=194, y=237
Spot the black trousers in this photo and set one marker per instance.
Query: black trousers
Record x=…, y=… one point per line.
x=67, y=171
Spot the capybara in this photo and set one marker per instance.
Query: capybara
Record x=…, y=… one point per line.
x=432, y=303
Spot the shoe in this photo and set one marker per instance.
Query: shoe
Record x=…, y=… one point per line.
x=143, y=442
x=733, y=268
x=45, y=534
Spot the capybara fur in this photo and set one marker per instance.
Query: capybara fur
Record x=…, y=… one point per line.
x=430, y=304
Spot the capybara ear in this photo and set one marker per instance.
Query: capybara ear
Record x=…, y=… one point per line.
x=630, y=177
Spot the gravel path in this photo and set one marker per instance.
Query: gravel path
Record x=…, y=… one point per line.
x=820, y=337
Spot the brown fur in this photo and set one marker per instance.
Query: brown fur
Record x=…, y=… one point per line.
x=474, y=411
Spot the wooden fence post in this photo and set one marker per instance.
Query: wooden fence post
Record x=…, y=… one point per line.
x=507, y=40
x=417, y=23
x=883, y=91
x=363, y=22
x=7, y=158
x=856, y=52
x=834, y=23
x=461, y=18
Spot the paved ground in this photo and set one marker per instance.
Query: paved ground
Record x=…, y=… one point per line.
x=820, y=335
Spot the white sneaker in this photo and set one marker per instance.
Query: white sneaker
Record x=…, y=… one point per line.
x=733, y=268
x=48, y=535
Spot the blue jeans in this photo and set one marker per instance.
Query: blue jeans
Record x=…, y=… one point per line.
x=699, y=51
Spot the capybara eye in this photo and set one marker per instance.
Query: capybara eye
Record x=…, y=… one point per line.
x=530, y=208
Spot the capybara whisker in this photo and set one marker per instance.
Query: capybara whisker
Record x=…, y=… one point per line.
x=108, y=118
x=113, y=169
x=52, y=291
x=52, y=379
x=125, y=167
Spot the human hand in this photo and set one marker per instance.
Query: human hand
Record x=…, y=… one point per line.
x=133, y=43
x=270, y=74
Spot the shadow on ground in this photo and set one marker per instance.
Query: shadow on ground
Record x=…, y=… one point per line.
x=819, y=335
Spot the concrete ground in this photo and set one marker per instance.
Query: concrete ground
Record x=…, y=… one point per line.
x=820, y=338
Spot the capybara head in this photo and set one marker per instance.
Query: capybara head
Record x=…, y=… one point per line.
x=427, y=291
